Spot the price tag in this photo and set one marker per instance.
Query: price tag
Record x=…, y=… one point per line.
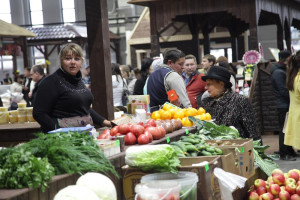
x=118, y=142
x=168, y=139
x=186, y=131
x=242, y=149
x=206, y=167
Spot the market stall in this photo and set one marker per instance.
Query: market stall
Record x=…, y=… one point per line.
x=194, y=151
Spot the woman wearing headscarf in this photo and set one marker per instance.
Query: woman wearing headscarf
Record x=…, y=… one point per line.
x=227, y=107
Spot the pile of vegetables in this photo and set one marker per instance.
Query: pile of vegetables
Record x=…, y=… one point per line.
x=193, y=145
x=155, y=158
x=142, y=133
x=210, y=131
x=70, y=153
x=34, y=163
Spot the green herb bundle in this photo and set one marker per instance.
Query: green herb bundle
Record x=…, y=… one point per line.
x=70, y=153
x=20, y=169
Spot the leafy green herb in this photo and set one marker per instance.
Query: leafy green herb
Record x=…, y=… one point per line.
x=70, y=153
x=20, y=169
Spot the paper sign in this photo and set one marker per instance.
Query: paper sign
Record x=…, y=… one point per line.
x=240, y=83
x=240, y=71
x=118, y=142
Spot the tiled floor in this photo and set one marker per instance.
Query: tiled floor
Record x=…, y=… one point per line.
x=272, y=141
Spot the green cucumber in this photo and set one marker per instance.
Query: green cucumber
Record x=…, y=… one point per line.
x=191, y=148
x=206, y=153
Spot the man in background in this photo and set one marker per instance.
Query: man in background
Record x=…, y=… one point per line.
x=26, y=85
x=194, y=84
x=168, y=77
x=37, y=74
x=207, y=62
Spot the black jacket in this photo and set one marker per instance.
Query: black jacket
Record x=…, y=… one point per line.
x=280, y=90
x=233, y=109
x=61, y=95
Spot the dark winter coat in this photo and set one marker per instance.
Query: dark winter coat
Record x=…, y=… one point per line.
x=233, y=109
x=280, y=90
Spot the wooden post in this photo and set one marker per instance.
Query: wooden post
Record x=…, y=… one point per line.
x=280, y=36
x=99, y=57
x=234, y=47
x=287, y=34
x=155, y=47
x=206, y=42
x=25, y=52
x=195, y=42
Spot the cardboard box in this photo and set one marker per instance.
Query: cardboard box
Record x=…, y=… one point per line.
x=207, y=187
x=229, y=165
x=243, y=153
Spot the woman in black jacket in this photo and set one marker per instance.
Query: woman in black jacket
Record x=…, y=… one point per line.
x=62, y=99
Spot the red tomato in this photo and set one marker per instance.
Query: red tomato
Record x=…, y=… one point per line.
x=147, y=125
x=130, y=138
x=141, y=123
x=114, y=131
x=137, y=130
x=118, y=134
x=124, y=128
x=155, y=132
x=143, y=139
x=162, y=131
x=104, y=134
x=149, y=135
x=151, y=122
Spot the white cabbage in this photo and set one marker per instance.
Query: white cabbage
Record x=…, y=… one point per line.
x=101, y=185
x=76, y=192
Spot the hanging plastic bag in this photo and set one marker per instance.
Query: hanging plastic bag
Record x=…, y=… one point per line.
x=228, y=182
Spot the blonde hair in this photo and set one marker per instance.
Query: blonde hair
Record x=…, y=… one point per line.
x=75, y=50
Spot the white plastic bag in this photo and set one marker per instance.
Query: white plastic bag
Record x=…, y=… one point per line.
x=228, y=182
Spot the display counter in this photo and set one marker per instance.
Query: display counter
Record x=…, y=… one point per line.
x=12, y=134
x=60, y=181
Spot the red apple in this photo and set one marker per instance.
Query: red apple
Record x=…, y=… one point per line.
x=298, y=183
x=259, y=183
x=274, y=189
x=290, y=181
x=277, y=171
x=282, y=188
x=298, y=189
x=285, y=175
x=295, y=197
x=270, y=179
x=284, y=195
x=278, y=179
x=291, y=188
x=253, y=196
x=266, y=196
x=293, y=174
x=276, y=199
x=260, y=190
